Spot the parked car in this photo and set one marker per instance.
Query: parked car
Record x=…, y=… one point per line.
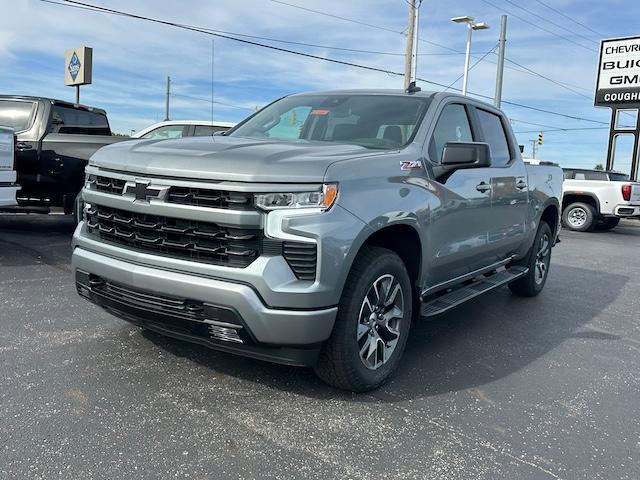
x=8, y=186
x=597, y=198
x=54, y=142
x=317, y=230
x=182, y=128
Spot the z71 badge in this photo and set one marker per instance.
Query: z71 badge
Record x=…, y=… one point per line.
x=415, y=165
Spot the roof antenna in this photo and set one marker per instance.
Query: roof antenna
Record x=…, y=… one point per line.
x=412, y=88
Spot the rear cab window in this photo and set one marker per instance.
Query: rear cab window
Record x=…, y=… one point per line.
x=590, y=175
x=166, y=132
x=17, y=114
x=207, y=130
x=75, y=121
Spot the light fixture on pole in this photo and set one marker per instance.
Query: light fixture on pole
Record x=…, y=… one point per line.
x=471, y=26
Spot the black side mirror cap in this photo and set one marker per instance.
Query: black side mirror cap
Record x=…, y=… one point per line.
x=466, y=155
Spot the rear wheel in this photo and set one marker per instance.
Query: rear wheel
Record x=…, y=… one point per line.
x=537, y=261
x=579, y=217
x=372, y=326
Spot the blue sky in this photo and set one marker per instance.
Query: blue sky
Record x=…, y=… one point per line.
x=132, y=58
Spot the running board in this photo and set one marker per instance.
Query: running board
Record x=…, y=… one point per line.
x=460, y=295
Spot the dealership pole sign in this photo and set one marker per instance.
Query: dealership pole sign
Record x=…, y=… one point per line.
x=619, y=73
x=618, y=87
x=78, y=68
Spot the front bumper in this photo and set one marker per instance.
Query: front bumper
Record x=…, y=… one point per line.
x=281, y=335
x=627, y=211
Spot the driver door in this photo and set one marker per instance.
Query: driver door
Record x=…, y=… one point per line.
x=459, y=228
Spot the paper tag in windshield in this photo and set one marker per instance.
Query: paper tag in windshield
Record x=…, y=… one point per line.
x=319, y=111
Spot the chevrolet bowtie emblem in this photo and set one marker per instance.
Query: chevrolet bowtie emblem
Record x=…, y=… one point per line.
x=142, y=191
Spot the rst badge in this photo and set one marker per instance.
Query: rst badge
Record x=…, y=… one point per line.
x=411, y=165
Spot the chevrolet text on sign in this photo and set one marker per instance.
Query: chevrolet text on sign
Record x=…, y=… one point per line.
x=619, y=72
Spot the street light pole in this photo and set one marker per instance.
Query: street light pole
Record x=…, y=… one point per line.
x=471, y=26
x=467, y=59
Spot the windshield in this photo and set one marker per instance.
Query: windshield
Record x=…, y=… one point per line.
x=16, y=114
x=372, y=121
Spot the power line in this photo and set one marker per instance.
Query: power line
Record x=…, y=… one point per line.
x=276, y=40
x=210, y=101
x=306, y=55
x=537, y=26
x=471, y=67
x=570, y=18
x=530, y=12
x=561, y=84
x=338, y=17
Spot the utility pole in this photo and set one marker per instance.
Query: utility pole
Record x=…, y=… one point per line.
x=166, y=109
x=415, y=60
x=501, y=48
x=533, y=148
x=408, y=55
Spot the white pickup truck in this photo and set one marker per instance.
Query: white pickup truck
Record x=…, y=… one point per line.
x=8, y=187
x=598, y=199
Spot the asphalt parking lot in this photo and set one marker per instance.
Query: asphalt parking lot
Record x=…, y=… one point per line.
x=501, y=388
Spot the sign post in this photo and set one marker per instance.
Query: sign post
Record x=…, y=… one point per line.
x=78, y=67
x=618, y=88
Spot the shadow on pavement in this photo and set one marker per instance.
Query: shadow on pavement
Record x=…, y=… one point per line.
x=35, y=239
x=487, y=339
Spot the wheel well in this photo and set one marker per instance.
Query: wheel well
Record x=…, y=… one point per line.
x=405, y=242
x=573, y=198
x=551, y=216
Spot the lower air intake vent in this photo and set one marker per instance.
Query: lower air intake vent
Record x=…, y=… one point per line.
x=302, y=258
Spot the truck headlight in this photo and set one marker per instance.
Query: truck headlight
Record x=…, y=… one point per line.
x=319, y=199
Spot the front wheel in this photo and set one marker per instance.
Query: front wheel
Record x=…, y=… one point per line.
x=537, y=261
x=372, y=325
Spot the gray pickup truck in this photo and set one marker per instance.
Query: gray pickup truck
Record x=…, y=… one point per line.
x=316, y=231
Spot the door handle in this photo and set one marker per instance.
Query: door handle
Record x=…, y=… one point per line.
x=21, y=146
x=483, y=187
x=521, y=184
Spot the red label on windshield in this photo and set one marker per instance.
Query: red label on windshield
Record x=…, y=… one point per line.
x=319, y=112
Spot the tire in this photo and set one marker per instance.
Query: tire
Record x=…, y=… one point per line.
x=609, y=223
x=381, y=337
x=579, y=217
x=537, y=261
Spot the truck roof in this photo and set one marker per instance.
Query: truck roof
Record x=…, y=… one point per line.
x=371, y=91
x=53, y=101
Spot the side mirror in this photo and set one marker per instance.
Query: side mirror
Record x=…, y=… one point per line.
x=466, y=155
x=521, y=147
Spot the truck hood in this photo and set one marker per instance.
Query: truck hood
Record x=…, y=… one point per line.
x=229, y=158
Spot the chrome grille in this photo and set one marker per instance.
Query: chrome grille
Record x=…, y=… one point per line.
x=202, y=197
x=114, y=186
x=175, y=237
